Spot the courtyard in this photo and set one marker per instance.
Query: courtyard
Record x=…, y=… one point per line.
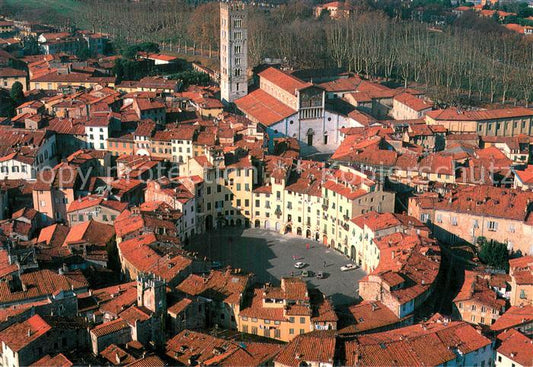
x=271, y=256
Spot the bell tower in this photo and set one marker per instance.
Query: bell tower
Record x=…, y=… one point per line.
x=233, y=51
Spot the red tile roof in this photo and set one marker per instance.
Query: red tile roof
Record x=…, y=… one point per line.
x=218, y=285
x=283, y=80
x=208, y=350
x=476, y=288
x=91, y=232
x=513, y=317
x=20, y=335
x=453, y=114
x=484, y=200
x=517, y=347
x=315, y=348
x=10, y=72
x=264, y=108
x=39, y=284
x=369, y=315
x=428, y=344
x=138, y=252
x=57, y=361
x=109, y=327
x=413, y=102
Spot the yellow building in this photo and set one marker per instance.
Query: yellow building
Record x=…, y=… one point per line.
x=55, y=81
x=284, y=312
x=346, y=194
x=521, y=272
x=9, y=76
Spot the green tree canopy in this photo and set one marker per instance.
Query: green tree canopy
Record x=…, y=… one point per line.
x=493, y=253
x=17, y=92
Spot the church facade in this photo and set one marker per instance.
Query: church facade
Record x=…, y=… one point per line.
x=286, y=106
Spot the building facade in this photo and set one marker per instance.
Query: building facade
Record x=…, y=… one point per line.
x=233, y=51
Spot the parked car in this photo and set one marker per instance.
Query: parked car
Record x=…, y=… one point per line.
x=348, y=267
x=299, y=265
x=305, y=273
x=320, y=275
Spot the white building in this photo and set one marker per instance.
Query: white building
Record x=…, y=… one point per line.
x=288, y=107
x=233, y=51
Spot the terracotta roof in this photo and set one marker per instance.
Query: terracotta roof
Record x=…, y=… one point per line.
x=453, y=114
x=368, y=315
x=6, y=267
x=413, y=102
x=91, y=232
x=484, y=200
x=179, y=306
x=59, y=360
x=138, y=252
x=314, y=348
x=10, y=72
x=513, y=317
x=283, y=80
x=109, y=327
x=517, y=347
x=476, y=288
x=39, y=284
x=341, y=84
x=208, y=350
x=526, y=175
x=218, y=285
x=264, y=108
x=116, y=355
x=431, y=343
x=20, y=335
x=148, y=361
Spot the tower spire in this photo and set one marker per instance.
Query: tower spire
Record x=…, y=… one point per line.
x=233, y=51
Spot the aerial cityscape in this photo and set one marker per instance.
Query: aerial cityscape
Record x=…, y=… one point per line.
x=282, y=183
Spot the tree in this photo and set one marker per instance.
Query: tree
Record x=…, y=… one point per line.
x=493, y=253
x=30, y=46
x=191, y=77
x=83, y=53
x=17, y=93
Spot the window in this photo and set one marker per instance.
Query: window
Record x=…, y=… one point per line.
x=493, y=226
x=453, y=220
x=291, y=331
x=277, y=333
x=302, y=331
x=473, y=318
x=302, y=320
x=245, y=328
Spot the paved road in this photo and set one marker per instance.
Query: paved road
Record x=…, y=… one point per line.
x=269, y=256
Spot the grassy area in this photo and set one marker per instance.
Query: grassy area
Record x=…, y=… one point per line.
x=45, y=10
x=64, y=7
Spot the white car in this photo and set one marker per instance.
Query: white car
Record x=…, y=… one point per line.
x=348, y=267
x=299, y=265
